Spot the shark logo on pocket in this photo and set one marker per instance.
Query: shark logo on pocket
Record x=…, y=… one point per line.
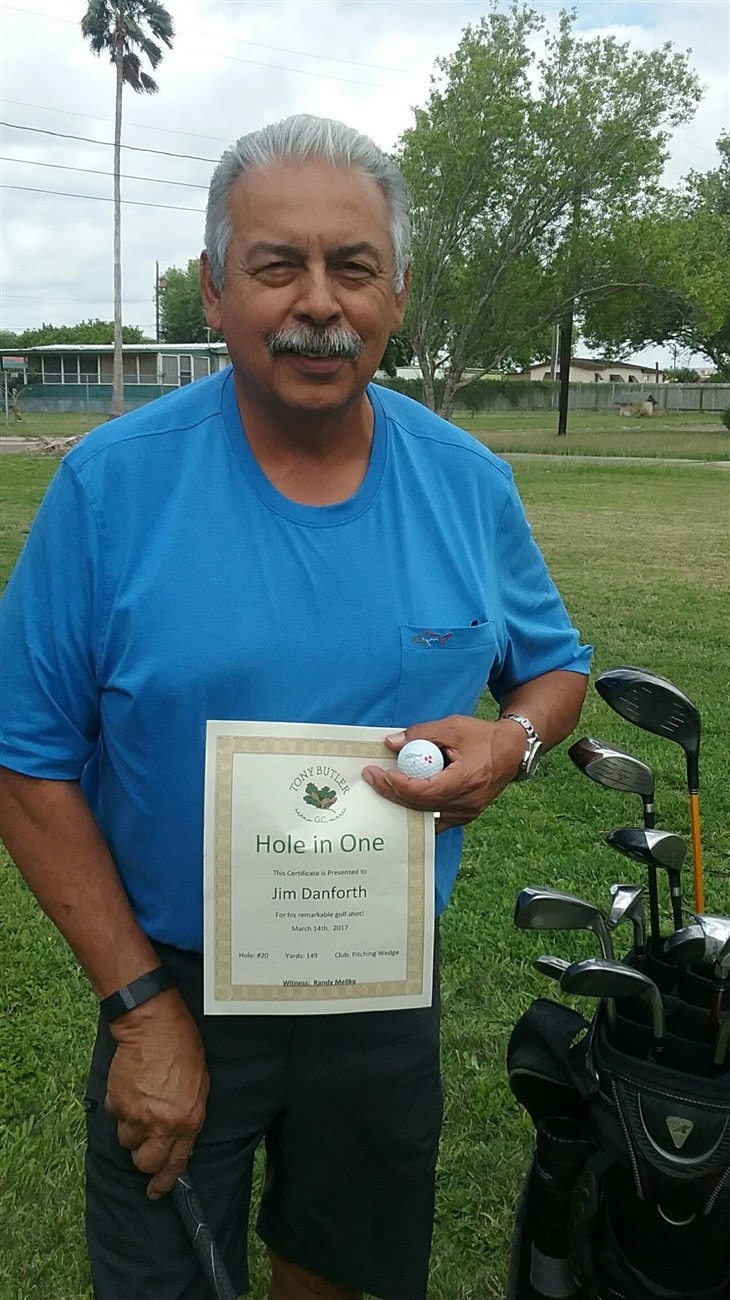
x=429, y=639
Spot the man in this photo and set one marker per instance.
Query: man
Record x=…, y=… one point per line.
x=269, y=544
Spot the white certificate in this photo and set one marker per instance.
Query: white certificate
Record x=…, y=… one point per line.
x=319, y=893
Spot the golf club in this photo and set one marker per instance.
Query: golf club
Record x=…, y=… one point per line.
x=657, y=705
x=713, y=927
x=208, y=1255
x=617, y=770
x=597, y=978
x=627, y=904
x=716, y=930
x=686, y=946
x=552, y=909
x=657, y=849
x=553, y=967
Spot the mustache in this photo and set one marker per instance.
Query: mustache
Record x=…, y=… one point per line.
x=307, y=340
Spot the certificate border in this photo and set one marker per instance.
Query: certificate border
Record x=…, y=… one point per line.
x=224, y=989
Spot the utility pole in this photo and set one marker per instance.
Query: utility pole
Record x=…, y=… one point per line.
x=160, y=284
x=566, y=350
x=566, y=324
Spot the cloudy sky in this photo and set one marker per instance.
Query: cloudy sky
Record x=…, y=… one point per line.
x=235, y=65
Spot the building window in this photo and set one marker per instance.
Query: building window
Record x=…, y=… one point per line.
x=51, y=370
x=169, y=369
x=147, y=368
x=70, y=367
x=186, y=370
x=632, y=379
x=615, y=379
x=89, y=370
x=129, y=367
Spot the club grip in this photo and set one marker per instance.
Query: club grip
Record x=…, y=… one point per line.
x=207, y=1253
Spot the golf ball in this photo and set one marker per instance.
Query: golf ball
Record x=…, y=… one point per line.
x=420, y=759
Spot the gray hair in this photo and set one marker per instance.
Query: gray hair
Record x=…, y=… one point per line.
x=295, y=138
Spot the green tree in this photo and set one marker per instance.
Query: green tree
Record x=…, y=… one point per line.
x=508, y=141
x=675, y=264
x=127, y=30
x=182, y=319
x=87, y=331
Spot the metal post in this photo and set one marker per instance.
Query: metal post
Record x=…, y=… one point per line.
x=566, y=347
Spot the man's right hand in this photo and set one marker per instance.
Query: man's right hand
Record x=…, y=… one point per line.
x=157, y=1087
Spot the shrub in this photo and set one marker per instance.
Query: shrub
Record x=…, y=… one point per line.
x=725, y=417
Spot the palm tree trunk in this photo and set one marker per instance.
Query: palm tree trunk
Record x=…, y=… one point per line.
x=117, y=403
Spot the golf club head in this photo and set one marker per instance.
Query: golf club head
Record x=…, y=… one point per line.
x=686, y=946
x=596, y=978
x=653, y=848
x=716, y=928
x=540, y=908
x=552, y=967
x=654, y=704
x=613, y=768
x=627, y=902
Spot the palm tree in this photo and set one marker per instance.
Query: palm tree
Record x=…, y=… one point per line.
x=128, y=29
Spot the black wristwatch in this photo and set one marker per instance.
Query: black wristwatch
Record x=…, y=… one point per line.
x=532, y=756
x=134, y=994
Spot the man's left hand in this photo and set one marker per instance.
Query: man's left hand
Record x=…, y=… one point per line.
x=482, y=759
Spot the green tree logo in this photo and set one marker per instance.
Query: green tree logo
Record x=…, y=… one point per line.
x=323, y=798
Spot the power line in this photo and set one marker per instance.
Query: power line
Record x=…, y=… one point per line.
x=257, y=63
x=109, y=144
x=93, y=117
x=97, y=198
x=91, y=171
x=240, y=40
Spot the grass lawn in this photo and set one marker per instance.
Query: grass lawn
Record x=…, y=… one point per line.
x=590, y=433
x=50, y=424
x=641, y=554
x=683, y=435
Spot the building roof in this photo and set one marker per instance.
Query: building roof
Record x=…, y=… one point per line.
x=596, y=363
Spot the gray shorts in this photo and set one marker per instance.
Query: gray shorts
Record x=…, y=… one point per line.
x=349, y=1108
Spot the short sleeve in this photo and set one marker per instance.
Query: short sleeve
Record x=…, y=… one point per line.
x=51, y=624
x=540, y=637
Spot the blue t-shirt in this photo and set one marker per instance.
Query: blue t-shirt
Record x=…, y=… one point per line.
x=165, y=581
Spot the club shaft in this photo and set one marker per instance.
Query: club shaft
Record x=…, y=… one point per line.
x=675, y=894
x=654, y=918
x=699, y=880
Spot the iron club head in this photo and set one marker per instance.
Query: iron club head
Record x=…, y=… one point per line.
x=627, y=904
x=598, y=978
x=551, y=909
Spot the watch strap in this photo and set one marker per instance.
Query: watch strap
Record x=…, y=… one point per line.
x=134, y=994
x=533, y=752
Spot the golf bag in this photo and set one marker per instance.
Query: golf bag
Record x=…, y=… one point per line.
x=628, y=1194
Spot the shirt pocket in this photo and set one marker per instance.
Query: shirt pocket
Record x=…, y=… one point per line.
x=443, y=670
